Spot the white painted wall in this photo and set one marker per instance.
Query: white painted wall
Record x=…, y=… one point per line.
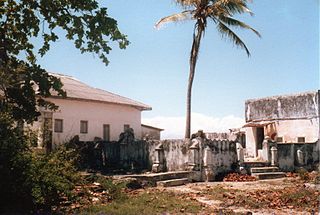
x=97, y=114
x=251, y=146
x=290, y=130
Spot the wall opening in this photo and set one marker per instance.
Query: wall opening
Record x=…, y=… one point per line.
x=260, y=137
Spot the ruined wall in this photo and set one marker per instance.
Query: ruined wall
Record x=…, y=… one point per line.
x=304, y=105
x=177, y=152
x=288, y=159
x=224, y=156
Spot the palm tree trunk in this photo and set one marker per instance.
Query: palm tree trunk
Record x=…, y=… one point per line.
x=193, y=61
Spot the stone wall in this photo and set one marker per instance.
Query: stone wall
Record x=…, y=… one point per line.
x=224, y=156
x=177, y=155
x=295, y=155
x=303, y=105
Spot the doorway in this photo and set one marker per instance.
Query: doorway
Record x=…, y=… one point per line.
x=260, y=137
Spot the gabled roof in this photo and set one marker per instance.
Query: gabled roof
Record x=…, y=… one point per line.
x=78, y=90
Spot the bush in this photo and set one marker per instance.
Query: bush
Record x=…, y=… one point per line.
x=30, y=181
x=52, y=178
x=303, y=174
x=114, y=190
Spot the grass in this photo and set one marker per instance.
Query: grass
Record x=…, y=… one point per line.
x=148, y=202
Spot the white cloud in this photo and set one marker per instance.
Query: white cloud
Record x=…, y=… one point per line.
x=175, y=126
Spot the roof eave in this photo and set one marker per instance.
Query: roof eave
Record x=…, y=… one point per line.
x=141, y=108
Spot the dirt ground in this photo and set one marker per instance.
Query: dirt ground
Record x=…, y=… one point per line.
x=276, y=196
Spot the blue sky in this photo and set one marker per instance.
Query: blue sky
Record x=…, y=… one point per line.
x=154, y=68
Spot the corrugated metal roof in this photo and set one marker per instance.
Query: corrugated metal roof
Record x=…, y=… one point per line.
x=78, y=90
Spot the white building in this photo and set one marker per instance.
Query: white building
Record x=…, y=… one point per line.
x=90, y=113
x=287, y=119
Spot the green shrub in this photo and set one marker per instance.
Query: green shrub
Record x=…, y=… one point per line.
x=52, y=178
x=30, y=181
x=114, y=190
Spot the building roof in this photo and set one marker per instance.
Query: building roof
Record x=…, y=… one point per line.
x=78, y=90
x=283, y=107
x=151, y=127
x=284, y=96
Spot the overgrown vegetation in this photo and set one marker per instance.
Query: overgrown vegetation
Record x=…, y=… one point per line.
x=31, y=181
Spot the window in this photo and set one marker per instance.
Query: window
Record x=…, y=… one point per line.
x=301, y=139
x=126, y=127
x=83, y=127
x=58, y=125
x=106, y=132
x=279, y=140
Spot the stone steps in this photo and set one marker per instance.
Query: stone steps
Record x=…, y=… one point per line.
x=164, y=178
x=252, y=164
x=269, y=175
x=173, y=182
x=264, y=169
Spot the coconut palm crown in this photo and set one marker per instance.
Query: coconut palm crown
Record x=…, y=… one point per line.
x=221, y=12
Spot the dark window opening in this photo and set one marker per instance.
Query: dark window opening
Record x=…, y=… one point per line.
x=260, y=137
x=58, y=125
x=279, y=140
x=106, y=132
x=83, y=127
x=301, y=139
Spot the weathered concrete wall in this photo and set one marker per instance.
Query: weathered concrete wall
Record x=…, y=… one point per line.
x=110, y=156
x=290, y=117
x=288, y=159
x=304, y=105
x=224, y=156
x=176, y=154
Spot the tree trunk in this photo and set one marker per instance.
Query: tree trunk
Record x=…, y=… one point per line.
x=193, y=61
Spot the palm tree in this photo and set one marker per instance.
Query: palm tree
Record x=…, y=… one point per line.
x=221, y=12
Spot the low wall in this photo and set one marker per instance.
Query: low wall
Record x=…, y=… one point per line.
x=223, y=155
x=138, y=155
x=175, y=154
x=288, y=159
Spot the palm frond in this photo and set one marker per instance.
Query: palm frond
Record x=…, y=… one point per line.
x=187, y=3
x=233, y=6
x=236, y=23
x=175, y=18
x=225, y=31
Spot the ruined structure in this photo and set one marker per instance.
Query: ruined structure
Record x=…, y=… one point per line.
x=290, y=123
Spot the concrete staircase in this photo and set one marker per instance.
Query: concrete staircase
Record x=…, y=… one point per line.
x=266, y=172
x=165, y=179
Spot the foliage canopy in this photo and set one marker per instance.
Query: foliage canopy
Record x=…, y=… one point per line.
x=23, y=83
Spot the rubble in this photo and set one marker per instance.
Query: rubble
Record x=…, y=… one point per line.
x=239, y=177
